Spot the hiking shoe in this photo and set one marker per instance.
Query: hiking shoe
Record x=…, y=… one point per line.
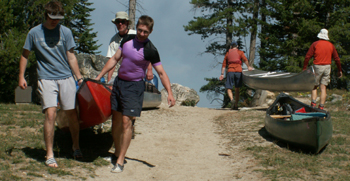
x=235, y=108
x=313, y=104
x=117, y=168
x=77, y=154
x=321, y=107
x=232, y=103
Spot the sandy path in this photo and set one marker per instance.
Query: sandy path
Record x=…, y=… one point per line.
x=171, y=145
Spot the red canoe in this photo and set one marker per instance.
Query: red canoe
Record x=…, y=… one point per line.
x=94, y=106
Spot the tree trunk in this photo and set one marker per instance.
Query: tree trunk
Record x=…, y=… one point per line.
x=258, y=93
x=259, y=98
x=229, y=24
x=132, y=12
x=253, y=33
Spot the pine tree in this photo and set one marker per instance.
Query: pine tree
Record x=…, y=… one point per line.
x=221, y=21
x=80, y=24
x=293, y=26
x=16, y=19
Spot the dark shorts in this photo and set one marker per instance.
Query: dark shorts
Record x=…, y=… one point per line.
x=127, y=97
x=233, y=79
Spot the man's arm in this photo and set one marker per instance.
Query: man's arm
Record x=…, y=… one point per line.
x=337, y=61
x=149, y=74
x=22, y=83
x=166, y=83
x=223, y=67
x=309, y=54
x=112, y=62
x=73, y=63
x=222, y=73
x=110, y=74
x=246, y=62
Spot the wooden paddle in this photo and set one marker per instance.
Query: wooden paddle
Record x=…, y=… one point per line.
x=280, y=116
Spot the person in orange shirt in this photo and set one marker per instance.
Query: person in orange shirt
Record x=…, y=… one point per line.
x=322, y=51
x=233, y=61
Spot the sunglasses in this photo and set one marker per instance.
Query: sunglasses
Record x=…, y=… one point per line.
x=120, y=21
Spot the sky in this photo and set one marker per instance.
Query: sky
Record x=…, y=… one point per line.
x=179, y=52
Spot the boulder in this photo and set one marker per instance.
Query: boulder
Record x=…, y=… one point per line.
x=270, y=98
x=90, y=65
x=335, y=98
x=263, y=98
x=183, y=95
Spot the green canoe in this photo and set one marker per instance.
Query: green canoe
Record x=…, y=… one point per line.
x=312, y=129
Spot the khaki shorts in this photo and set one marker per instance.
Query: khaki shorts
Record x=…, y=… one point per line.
x=62, y=90
x=322, y=74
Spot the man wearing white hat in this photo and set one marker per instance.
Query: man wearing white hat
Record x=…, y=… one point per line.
x=122, y=21
x=322, y=51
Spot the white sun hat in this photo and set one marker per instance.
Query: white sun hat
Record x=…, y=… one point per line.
x=323, y=34
x=121, y=15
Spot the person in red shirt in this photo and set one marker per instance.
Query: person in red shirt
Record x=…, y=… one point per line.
x=233, y=61
x=322, y=51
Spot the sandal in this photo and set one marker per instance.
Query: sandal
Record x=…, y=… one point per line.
x=77, y=154
x=52, y=162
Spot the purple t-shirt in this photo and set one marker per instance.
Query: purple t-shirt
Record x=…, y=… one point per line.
x=136, y=57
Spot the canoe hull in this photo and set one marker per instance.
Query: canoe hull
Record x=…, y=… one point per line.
x=94, y=106
x=258, y=79
x=313, y=133
x=151, y=100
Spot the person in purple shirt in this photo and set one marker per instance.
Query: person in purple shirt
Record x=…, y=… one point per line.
x=137, y=52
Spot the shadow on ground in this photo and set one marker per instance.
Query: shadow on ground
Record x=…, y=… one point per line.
x=283, y=144
x=92, y=145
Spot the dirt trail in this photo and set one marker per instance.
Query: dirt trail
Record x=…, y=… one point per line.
x=181, y=143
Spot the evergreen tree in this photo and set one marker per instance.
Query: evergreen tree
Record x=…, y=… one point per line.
x=16, y=19
x=223, y=20
x=293, y=26
x=80, y=24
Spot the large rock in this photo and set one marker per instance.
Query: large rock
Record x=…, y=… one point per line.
x=335, y=98
x=183, y=95
x=91, y=65
x=263, y=98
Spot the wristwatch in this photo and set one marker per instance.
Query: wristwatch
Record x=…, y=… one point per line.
x=80, y=79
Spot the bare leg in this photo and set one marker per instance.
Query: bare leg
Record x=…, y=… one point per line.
x=230, y=95
x=323, y=94
x=49, y=128
x=117, y=128
x=236, y=96
x=73, y=127
x=314, y=93
x=126, y=139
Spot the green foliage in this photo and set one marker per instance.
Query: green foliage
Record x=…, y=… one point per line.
x=287, y=28
x=17, y=18
x=80, y=25
x=222, y=20
x=293, y=26
x=216, y=88
x=191, y=103
x=216, y=20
